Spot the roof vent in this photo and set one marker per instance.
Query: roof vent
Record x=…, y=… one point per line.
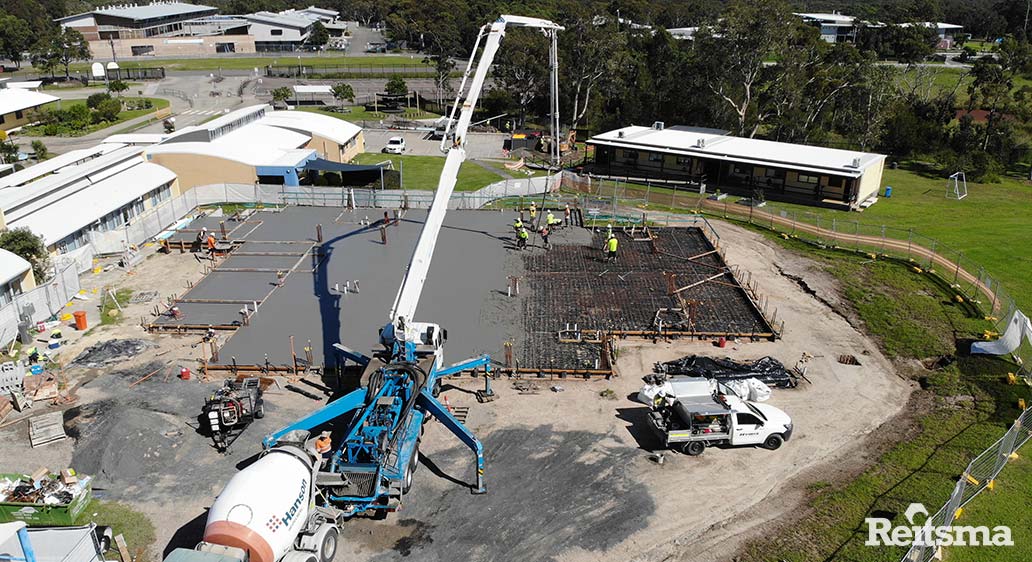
x=619, y=134
x=856, y=162
x=658, y=125
x=701, y=143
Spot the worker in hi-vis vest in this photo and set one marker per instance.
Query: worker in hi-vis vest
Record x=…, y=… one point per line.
x=611, y=245
x=521, y=238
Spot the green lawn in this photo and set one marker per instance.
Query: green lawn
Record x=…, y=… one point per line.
x=1006, y=505
x=123, y=520
x=358, y=113
x=157, y=104
x=986, y=226
x=913, y=316
x=423, y=172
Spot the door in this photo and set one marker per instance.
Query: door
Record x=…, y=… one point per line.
x=748, y=429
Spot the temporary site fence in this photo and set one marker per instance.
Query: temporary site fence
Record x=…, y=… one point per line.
x=147, y=226
x=40, y=303
x=980, y=475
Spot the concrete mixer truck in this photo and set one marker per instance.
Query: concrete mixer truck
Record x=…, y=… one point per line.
x=268, y=513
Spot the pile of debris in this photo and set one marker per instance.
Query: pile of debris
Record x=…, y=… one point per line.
x=43, y=488
x=767, y=370
x=111, y=351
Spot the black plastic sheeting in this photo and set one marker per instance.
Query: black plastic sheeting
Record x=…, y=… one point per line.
x=767, y=369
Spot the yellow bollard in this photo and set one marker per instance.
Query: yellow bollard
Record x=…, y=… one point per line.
x=1012, y=457
x=971, y=479
x=991, y=485
x=956, y=514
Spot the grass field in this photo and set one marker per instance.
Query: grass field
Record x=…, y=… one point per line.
x=913, y=316
x=985, y=227
x=358, y=113
x=133, y=525
x=423, y=172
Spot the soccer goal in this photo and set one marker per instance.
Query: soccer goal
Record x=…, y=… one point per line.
x=956, y=186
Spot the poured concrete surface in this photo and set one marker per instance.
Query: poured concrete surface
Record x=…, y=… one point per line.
x=462, y=292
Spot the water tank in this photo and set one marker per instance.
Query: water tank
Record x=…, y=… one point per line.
x=264, y=506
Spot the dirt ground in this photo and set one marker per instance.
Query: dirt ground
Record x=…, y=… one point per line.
x=570, y=474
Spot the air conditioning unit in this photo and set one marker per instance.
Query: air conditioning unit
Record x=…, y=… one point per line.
x=701, y=143
x=658, y=125
x=856, y=162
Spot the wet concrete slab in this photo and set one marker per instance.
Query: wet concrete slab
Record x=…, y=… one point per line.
x=464, y=292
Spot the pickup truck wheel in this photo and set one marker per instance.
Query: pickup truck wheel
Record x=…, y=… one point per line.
x=774, y=442
x=693, y=448
x=328, y=548
x=259, y=411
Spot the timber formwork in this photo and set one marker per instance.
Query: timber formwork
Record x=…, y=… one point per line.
x=666, y=283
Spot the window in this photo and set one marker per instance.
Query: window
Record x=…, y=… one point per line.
x=630, y=154
x=2, y=118
x=836, y=181
x=139, y=50
x=809, y=179
x=225, y=47
x=276, y=32
x=684, y=160
x=774, y=173
x=748, y=419
x=655, y=157
x=743, y=169
x=18, y=114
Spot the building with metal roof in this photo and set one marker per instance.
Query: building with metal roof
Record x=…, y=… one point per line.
x=279, y=32
x=134, y=21
x=17, y=106
x=693, y=157
x=15, y=276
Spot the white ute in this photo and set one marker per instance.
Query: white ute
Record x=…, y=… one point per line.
x=395, y=145
x=692, y=423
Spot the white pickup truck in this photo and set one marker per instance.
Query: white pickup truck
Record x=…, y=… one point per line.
x=692, y=423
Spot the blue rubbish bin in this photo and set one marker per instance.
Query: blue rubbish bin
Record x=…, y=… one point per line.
x=888, y=191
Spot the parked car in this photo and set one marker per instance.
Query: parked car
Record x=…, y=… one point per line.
x=395, y=145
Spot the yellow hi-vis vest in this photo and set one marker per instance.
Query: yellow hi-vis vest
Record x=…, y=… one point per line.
x=611, y=244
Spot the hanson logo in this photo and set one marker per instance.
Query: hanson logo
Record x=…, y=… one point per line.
x=880, y=532
x=296, y=506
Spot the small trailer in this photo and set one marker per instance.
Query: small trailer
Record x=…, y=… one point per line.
x=231, y=409
x=691, y=423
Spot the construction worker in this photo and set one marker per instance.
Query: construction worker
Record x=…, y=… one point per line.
x=609, y=231
x=211, y=245
x=33, y=355
x=323, y=445
x=521, y=238
x=566, y=216
x=533, y=213
x=544, y=236
x=549, y=219
x=610, y=248
x=517, y=225
x=202, y=237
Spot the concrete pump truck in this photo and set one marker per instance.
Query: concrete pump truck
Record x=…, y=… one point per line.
x=289, y=504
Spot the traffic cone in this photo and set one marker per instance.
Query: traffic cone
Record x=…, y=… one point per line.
x=447, y=406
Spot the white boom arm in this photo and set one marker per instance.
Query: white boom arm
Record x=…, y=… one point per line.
x=415, y=275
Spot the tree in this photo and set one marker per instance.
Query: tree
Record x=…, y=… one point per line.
x=588, y=54
x=16, y=37
x=396, y=86
x=43, y=57
x=8, y=152
x=913, y=43
x=94, y=100
x=27, y=245
x=733, y=56
x=521, y=69
x=281, y=95
x=342, y=91
x=117, y=87
x=319, y=36
x=39, y=149
x=66, y=47
x=108, y=110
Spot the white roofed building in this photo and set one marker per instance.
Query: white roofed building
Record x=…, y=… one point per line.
x=279, y=32
x=692, y=156
x=17, y=106
x=15, y=276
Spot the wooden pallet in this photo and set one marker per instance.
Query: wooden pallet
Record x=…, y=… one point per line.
x=46, y=429
x=460, y=413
